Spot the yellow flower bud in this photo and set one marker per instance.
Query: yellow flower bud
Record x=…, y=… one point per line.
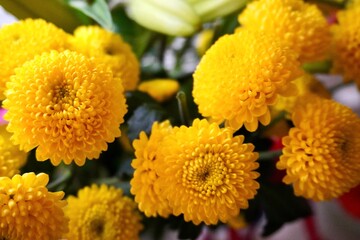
x=204, y=41
x=160, y=89
x=210, y=9
x=175, y=17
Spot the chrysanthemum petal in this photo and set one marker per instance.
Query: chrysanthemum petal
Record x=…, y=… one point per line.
x=297, y=24
x=102, y=212
x=346, y=44
x=205, y=173
x=23, y=40
x=11, y=157
x=144, y=184
x=28, y=210
x=111, y=49
x=321, y=152
x=67, y=105
x=254, y=69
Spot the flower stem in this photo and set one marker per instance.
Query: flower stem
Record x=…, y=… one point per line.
x=183, y=108
x=269, y=155
x=62, y=179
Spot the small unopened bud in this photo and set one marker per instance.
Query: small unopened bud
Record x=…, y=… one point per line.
x=175, y=17
x=211, y=9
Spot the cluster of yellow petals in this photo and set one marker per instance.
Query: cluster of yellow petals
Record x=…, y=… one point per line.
x=29, y=211
x=346, y=44
x=306, y=84
x=321, y=153
x=67, y=105
x=144, y=184
x=102, y=212
x=23, y=40
x=111, y=49
x=205, y=173
x=299, y=25
x=241, y=75
x=11, y=157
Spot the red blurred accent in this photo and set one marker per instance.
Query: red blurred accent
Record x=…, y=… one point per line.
x=351, y=202
x=311, y=229
x=276, y=143
x=331, y=18
x=233, y=235
x=277, y=175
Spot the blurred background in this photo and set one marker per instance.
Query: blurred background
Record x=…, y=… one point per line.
x=332, y=220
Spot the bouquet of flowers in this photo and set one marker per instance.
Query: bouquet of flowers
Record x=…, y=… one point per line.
x=130, y=119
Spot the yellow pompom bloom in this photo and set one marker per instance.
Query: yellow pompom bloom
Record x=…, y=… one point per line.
x=29, y=211
x=160, y=89
x=111, y=49
x=144, y=184
x=23, y=40
x=11, y=157
x=346, y=44
x=102, y=212
x=307, y=84
x=65, y=104
x=300, y=25
x=204, y=40
x=205, y=173
x=241, y=75
x=321, y=153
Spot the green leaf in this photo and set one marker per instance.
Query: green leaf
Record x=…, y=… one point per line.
x=318, y=67
x=227, y=25
x=32, y=165
x=61, y=175
x=55, y=11
x=97, y=10
x=143, y=118
x=134, y=99
x=134, y=34
x=281, y=206
x=125, y=169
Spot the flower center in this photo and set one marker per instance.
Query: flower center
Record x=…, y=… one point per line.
x=61, y=92
x=16, y=37
x=344, y=146
x=5, y=237
x=97, y=227
x=109, y=50
x=204, y=173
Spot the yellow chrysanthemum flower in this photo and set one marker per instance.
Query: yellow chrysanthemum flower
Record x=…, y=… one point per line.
x=65, y=104
x=11, y=157
x=161, y=89
x=110, y=48
x=206, y=173
x=307, y=84
x=240, y=75
x=28, y=210
x=23, y=40
x=346, y=44
x=144, y=184
x=102, y=212
x=300, y=25
x=322, y=152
